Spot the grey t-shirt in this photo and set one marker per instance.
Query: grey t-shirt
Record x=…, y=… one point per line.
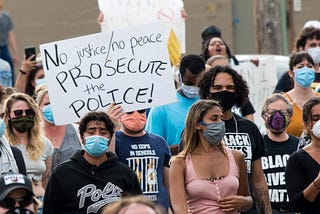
x=69, y=145
x=6, y=25
x=35, y=168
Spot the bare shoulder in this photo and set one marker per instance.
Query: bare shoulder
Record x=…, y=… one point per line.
x=177, y=162
x=238, y=156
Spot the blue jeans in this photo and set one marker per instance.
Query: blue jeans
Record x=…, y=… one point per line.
x=41, y=198
x=5, y=55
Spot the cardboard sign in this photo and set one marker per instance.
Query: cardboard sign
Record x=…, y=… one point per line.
x=120, y=14
x=130, y=67
x=261, y=81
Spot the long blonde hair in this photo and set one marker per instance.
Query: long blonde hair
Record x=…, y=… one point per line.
x=191, y=136
x=35, y=135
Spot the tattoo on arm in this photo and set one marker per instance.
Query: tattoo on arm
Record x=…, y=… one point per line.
x=262, y=201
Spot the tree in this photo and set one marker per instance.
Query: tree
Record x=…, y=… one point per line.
x=268, y=26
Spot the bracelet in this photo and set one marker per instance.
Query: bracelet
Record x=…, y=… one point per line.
x=314, y=183
x=22, y=71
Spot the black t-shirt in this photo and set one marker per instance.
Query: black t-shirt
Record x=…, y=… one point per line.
x=284, y=84
x=273, y=165
x=244, y=135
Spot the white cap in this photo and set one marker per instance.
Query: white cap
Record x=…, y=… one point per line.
x=312, y=23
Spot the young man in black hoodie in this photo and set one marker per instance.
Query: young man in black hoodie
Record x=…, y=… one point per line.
x=93, y=177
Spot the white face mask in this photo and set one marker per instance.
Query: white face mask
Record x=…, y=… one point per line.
x=40, y=81
x=190, y=91
x=316, y=129
x=315, y=54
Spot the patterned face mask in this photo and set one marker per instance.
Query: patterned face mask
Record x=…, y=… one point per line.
x=278, y=121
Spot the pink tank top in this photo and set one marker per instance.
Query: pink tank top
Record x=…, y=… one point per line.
x=203, y=195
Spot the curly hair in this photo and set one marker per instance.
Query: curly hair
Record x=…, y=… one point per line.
x=194, y=63
x=207, y=80
x=35, y=135
x=96, y=116
x=304, y=35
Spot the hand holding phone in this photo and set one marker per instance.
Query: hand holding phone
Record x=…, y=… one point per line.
x=29, y=51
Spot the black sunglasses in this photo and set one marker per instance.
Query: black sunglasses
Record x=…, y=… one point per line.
x=139, y=111
x=28, y=112
x=10, y=203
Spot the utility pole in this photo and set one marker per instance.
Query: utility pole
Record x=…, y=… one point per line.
x=268, y=26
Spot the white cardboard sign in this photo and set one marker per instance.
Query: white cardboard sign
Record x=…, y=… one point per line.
x=120, y=14
x=261, y=81
x=130, y=67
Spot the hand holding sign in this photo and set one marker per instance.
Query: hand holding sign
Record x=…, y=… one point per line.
x=115, y=113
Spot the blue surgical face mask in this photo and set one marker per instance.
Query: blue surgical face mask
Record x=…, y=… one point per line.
x=96, y=145
x=47, y=113
x=2, y=127
x=41, y=81
x=315, y=54
x=214, y=133
x=304, y=76
x=190, y=91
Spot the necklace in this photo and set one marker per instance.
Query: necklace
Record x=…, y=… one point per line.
x=214, y=179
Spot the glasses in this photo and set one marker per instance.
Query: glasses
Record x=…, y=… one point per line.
x=139, y=111
x=28, y=112
x=10, y=203
x=282, y=111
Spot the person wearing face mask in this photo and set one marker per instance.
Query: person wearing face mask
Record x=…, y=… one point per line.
x=93, y=177
x=31, y=75
x=301, y=67
x=224, y=84
x=302, y=171
x=64, y=138
x=147, y=154
x=276, y=113
x=206, y=176
x=308, y=40
x=11, y=159
x=168, y=120
x=23, y=131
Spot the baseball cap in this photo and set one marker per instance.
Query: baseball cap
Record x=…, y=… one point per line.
x=12, y=181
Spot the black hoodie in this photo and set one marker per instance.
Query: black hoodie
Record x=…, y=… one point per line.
x=76, y=186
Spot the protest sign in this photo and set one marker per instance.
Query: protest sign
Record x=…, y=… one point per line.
x=127, y=13
x=261, y=81
x=130, y=67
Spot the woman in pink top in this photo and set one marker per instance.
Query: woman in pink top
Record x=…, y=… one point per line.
x=207, y=177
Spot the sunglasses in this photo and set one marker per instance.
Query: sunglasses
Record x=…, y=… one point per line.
x=10, y=203
x=28, y=112
x=139, y=111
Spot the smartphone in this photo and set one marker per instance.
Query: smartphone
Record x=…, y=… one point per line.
x=30, y=51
